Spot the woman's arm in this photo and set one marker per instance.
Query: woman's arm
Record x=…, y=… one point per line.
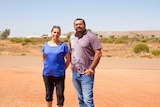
x=43, y=57
x=68, y=59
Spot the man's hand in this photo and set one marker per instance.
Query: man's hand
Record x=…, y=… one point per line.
x=89, y=72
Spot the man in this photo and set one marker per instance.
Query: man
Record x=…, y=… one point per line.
x=85, y=56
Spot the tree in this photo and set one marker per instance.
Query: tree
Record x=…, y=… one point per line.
x=5, y=34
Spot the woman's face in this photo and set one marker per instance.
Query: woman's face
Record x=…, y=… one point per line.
x=56, y=33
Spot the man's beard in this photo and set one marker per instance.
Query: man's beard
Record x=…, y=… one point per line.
x=79, y=30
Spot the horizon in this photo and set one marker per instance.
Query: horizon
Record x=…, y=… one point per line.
x=104, y=33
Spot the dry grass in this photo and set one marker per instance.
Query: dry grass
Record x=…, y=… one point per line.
x=108, y=49
x=17, y=49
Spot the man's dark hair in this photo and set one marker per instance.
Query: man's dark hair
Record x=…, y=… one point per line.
x=81, y=19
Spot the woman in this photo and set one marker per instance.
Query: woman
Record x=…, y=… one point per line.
x=56, y=58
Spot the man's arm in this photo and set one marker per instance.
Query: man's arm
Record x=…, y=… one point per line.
x=95, y=62
x=96, y=59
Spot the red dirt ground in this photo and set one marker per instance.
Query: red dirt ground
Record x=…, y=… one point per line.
x=119, y=82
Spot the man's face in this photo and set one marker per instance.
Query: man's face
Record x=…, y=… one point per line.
x=79, y=26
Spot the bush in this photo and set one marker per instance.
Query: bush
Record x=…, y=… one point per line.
x=103, y=40
x=24, y=43
x=110, y=40
x=16, y=40
x=141, y=48
x=144, y=40
x=155, y=52
x=119, y=40
x=27, y=40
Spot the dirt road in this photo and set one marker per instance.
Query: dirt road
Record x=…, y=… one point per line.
x=132, y=82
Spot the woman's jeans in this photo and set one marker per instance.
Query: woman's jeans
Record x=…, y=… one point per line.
x=83, y=85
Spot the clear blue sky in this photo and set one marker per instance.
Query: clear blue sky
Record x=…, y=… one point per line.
x=36, y=17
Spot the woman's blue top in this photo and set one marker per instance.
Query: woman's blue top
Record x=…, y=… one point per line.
x=54, y=63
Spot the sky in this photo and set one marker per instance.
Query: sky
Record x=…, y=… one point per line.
x=36, y=17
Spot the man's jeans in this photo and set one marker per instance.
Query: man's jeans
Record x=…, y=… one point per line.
x=83, y=85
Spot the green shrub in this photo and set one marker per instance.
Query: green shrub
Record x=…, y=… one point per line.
x=155, y=52
x=119, y=40
x=16, y=40
x=110, y=40
x=141, y=48
x=103, y=40
x=24, y=43
x=27, y=40
x=144, y=40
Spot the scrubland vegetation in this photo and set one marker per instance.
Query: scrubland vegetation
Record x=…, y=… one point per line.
x=112, y=46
